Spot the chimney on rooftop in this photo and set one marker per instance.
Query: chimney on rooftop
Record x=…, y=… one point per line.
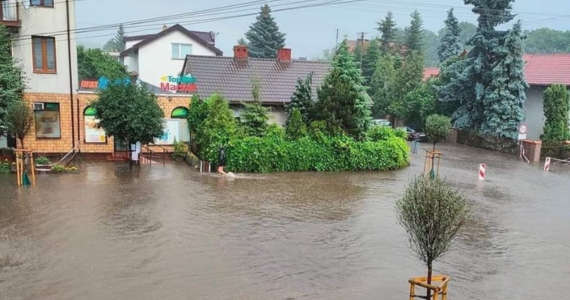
x=284, y=55
x=241, y=52
x=164, y=27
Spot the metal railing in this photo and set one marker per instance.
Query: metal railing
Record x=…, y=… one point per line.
x=152, y=153
x=9, y=10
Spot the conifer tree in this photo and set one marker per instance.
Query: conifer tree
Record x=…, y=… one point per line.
x=12, y=82
x=504, y=100
x=414, y=34
x=264, y=36
x=388, y=31
x=382, y=86
x=450, y=42
x=302, y=99
x=370, y=59
x=343, y=102
x=556, y=107
x=408, y=78
x=116, y=44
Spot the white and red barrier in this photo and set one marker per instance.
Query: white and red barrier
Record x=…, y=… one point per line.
x=547, y=164
x=482, y=168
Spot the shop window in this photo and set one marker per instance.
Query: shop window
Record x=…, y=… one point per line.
x=41, y=3
x=93, y=135
x=47, y=120
x=180, y=113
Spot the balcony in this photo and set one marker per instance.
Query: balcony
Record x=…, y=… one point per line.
x=9, y=13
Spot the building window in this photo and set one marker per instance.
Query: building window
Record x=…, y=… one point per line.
x=41, y=3
x=179, y=51
x=47, y=120
x=93, y=135
x=43, y=50
x=180, y=113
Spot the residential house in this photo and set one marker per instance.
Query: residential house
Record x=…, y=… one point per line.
x=158, y=58
x=541, y=71
x=233, y=77
x=49, y=59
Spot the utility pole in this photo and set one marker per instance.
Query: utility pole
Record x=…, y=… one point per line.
x=336, y=43
x=361, y=46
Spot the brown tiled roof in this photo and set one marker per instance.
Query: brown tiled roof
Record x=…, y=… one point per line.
x=206, y=39
x=233, y=79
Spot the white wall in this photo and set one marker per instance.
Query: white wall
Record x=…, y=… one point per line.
x=277, y=114
x=129, y=44
x=45, y=22
x=3, y=142
x=155, y=59
x=132, y=62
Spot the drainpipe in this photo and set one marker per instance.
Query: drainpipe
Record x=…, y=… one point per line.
x=70, y=76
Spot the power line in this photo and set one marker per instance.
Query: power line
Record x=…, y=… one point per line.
x=326, y=3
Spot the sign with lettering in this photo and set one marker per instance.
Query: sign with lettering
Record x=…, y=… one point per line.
x=92, y=84
x=178, y=84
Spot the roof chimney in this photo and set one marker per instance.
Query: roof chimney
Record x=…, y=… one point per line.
x=284, y=55
x=241, y=52
x=164, y=27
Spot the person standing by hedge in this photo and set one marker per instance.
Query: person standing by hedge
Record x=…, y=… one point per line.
x=222, y=161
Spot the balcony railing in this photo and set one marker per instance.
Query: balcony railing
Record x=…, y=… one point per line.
x=9, y=13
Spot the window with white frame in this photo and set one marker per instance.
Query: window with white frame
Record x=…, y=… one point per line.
x=179, y=51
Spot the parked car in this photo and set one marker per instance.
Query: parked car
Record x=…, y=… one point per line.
x=381, y=122
x=414, y=135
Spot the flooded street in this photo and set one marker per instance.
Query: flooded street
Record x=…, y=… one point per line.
x=172, y=233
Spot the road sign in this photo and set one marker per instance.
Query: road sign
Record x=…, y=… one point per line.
x=522, y=132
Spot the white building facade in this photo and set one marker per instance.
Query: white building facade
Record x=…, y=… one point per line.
x=43, y=41
x=159, y=58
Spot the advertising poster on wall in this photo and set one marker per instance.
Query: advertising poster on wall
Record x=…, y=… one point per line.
x=171, y=132
x=47, y=124
x=92, y=133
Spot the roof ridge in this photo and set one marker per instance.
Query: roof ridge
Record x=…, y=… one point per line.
x=261, y=59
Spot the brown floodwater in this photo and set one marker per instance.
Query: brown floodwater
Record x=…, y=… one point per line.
x=172, y=233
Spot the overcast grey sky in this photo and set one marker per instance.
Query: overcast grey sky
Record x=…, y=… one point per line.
x=309, y=30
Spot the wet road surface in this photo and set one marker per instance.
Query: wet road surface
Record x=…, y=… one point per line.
x=171, y=233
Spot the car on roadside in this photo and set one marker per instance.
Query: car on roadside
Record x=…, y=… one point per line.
x=414, y=135
x=381, y=122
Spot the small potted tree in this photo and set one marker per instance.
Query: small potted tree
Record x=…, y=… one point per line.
x=432, y=212
x=438, y=128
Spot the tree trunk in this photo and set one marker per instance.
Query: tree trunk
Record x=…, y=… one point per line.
x=429, y=280
x=21, y=143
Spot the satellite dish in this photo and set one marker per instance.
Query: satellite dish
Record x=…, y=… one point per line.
x=26, y=4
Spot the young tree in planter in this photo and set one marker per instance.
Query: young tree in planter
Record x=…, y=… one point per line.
x=437, y=128
x=264, y=36
x=20, y=119
x=343, y=102
x=432, y=212
x=556, y=107
x=302, y=99
x=129, y=112
x=12, y=82
x=219, y=128
x=255, y=116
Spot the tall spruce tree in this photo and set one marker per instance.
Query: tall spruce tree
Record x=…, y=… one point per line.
x=408, y=78
x=414, y=34
x=472, y=76
x=12, y=81
x=450, y=41
x=556, y=107
x=382, y=86
x=116, y=44
x=343, y=102
x=264, y=36
x=388, y=31
x=302, y=99
x=370, y=59
x=504, y=100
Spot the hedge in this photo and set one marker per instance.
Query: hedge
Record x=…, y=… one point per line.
x=276, y=154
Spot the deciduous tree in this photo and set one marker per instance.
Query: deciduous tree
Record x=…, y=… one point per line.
x=12, y=80
x=94, y=63
x=20, y=119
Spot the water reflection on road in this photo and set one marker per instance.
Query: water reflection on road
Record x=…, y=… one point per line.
x=171, y=233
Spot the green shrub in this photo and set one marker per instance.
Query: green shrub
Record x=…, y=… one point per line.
x=58, y=168
x=217, y=130
x=42, y=160
x=180, y=150
x=342, y=153
x=556, y=106
x=401, y=133
x=380, y=133
x=296, y=129
x=275, y=131
x=254, y=119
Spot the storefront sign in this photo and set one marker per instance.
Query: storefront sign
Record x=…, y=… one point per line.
x=47, y=124
x=170, y=134
x=182, y=84
x=102, y=83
